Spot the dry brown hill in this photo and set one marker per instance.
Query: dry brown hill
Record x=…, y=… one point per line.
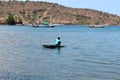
x=37, y=12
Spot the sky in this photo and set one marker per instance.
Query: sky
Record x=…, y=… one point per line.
x=109, y=6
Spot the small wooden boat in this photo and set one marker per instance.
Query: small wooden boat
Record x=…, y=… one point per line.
x=52, y=46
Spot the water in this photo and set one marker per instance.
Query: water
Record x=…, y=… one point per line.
x=90, y=53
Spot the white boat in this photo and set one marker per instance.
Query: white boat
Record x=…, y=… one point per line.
x=96, y=26
x=44, y=26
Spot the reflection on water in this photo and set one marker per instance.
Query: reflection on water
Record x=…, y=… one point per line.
x=90, y=54
x=57, y=51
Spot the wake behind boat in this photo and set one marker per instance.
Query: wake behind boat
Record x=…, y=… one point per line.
x=52, y=46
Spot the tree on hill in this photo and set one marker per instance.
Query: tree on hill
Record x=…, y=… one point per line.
x=10, y=20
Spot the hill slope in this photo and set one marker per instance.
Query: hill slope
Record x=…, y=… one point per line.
x=37, y=12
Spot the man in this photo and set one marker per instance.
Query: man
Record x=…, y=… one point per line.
x=57, y=42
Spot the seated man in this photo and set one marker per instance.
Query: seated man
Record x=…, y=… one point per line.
x=57, y=42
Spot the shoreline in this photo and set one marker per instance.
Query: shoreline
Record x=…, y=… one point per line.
x=90, y=26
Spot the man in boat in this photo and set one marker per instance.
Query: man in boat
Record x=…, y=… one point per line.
x=57, y=42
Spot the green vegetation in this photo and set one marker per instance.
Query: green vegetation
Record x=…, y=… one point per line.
x=22, y=12
x=1, y=12
x=10, y=20
x=97, y=23
x=40, y=15
x=46, y=19
x=27, y=1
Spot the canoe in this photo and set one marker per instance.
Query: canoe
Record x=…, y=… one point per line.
x=52, y=46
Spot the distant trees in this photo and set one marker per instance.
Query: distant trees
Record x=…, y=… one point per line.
x=27, y=1
x=10, y=20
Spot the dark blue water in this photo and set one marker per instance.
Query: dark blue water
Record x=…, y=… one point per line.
x=90, y=53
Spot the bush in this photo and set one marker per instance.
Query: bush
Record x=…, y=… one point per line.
x=10, y=20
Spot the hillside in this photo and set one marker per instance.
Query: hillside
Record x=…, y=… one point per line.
x=37, y=12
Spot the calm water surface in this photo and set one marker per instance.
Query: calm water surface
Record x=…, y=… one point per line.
x=90, y=53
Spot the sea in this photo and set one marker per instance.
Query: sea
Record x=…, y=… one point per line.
x=89, y=53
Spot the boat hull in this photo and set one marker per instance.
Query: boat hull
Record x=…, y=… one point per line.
x=52, y=46
x=43, y=26
x=96, y=26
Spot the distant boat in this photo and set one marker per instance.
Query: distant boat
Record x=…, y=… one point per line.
x=44, y=26
x=96, y=26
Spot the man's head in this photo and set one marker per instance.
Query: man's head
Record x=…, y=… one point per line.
x=58, y=37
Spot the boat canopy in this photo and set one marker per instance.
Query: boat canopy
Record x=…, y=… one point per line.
x=45, y=23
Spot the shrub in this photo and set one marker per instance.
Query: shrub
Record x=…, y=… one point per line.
x=10, y=20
